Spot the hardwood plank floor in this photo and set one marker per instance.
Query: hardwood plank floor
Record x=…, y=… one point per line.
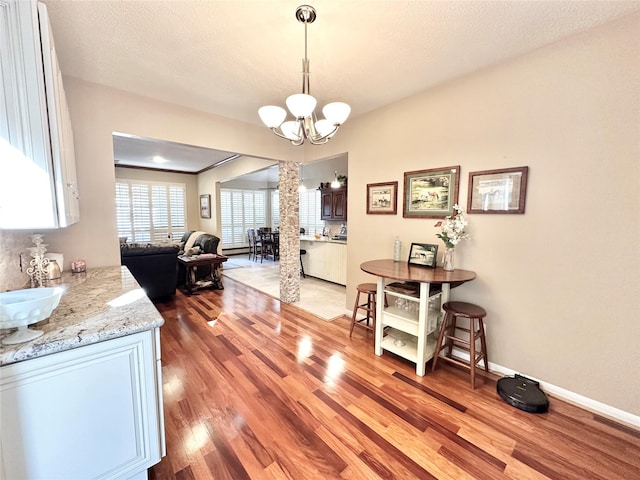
x=255, y=389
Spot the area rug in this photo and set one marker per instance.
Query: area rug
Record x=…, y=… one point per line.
x=324, y=299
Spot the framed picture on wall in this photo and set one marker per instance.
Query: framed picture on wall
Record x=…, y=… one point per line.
x=498, y=191
x=431, y=193
x=205, y=206
x=382, y=198
x=423, y=255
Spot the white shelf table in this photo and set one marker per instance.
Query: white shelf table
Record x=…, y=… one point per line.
x=411, y=333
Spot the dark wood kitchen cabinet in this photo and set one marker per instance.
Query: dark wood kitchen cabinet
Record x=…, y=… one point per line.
x=333, y=203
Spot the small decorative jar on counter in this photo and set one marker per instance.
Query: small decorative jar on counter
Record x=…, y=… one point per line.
x=78, y=266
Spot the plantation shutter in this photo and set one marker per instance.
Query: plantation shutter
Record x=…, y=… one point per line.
x=141, y=208
x=241, y=210
x=177, y=211
x=226, y=216
x=123, y=212
x=309, y=212
x=150, y=211
x=275, y=208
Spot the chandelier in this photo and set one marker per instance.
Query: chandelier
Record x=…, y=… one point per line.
x=302, y=105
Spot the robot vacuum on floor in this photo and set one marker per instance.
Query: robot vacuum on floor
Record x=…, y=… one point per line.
x=523, y=393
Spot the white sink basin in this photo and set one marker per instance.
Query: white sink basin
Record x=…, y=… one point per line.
x=21, y=308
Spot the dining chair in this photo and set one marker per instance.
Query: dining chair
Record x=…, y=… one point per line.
x=255, y=245
x=252, y=247
x=268, y=246
x=275, y=237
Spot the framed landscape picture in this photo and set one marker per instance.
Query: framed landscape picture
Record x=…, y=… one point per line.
x=205, y=206
x=498, y=191
x=431, y=193
x=423, y=255
x=382, y=198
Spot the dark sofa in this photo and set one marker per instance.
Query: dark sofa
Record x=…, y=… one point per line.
x=153, y=266
x=205, y=243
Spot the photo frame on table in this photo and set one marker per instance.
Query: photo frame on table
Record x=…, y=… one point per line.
x=498, y=191
x=431, y=193
x=382, y=198
x=205, y=206
x=423, y=255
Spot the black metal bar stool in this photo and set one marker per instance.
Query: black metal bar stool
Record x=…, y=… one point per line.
x=302, y=252
x=447, y=337
x=369, y=289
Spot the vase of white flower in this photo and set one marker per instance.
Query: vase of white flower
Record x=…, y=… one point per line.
x=447, y=260
x=453, y=230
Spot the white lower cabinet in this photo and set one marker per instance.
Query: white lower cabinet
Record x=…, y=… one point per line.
x=325, y=260
x=93, y=412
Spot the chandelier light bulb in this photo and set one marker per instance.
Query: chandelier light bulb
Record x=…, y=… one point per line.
x=301, y=105
x=290, y=130
x=336, y=112
x=325, y=127
x=272, y=116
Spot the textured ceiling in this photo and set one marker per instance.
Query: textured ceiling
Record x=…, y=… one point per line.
x=231, y=57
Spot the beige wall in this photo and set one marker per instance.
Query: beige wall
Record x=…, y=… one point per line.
x=96, y=113
x=560, y=283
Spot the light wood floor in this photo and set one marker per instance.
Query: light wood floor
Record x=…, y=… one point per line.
x=256, y=389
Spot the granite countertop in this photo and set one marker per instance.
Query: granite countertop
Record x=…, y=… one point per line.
x=101, y=304
x=311, y=238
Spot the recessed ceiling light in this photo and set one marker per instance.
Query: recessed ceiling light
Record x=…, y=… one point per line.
x=159, y=159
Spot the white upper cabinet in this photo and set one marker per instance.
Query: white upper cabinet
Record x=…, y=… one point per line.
x=38, y=187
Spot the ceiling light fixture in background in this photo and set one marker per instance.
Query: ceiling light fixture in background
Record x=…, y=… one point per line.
x=336, y=182
x=302, y=105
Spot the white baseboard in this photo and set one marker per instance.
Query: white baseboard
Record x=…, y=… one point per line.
x=566, y=395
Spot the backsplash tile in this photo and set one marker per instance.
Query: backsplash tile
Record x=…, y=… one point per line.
x=12, y=244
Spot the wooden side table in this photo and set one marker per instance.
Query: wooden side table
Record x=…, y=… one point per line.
x=191, y=264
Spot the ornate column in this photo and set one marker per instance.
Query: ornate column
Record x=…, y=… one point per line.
x=289, y=180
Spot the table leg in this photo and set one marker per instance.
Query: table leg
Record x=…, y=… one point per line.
x=216, y=278
x=191, y=279
x=446, y=288
x=379, y=323
x=421, y=353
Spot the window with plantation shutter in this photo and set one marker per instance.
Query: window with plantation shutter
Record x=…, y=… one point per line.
x=275, y=208
x=150, y=211
x=241, y=210
x=310, y=212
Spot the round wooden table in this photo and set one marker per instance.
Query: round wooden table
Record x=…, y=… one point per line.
x=412, y=273
x=418, y=326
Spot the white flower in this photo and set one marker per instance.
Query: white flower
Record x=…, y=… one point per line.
x=453, y=228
